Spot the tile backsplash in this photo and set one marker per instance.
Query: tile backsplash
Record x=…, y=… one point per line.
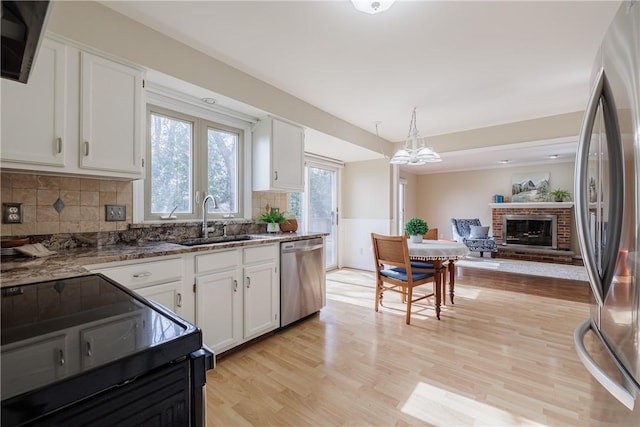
x=260, y=200
x=84, y=201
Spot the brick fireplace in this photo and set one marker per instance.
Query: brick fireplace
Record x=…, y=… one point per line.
x=563, y=212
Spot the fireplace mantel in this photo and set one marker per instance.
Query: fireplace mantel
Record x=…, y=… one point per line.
x=552, y=205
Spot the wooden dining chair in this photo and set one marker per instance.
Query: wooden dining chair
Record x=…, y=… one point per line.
x=432, y=234
x=394, y=272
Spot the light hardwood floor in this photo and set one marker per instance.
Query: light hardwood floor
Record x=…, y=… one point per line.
x=501, y=356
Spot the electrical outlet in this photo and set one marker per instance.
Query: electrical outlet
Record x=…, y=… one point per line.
x=12, y=213
x=115, y=213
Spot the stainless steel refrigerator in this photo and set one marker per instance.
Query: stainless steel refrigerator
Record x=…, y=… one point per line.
x=607, y=178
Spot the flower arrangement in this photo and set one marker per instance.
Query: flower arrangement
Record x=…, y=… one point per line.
x=416, y=227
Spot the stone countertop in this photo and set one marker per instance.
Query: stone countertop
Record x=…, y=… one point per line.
x=71, y=262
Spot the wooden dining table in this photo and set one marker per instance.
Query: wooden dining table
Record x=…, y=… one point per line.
x=439, y=253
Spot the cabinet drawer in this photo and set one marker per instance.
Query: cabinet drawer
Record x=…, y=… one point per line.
x=218, y=260
x=260, y=253
x=145, y=273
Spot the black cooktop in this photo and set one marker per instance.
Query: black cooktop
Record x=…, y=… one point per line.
x=86, y=333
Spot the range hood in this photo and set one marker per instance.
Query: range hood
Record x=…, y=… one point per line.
x=23, y=25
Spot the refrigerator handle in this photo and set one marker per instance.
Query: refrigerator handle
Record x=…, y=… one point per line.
x=625, y=394
x=616, y=188
x=580, y=189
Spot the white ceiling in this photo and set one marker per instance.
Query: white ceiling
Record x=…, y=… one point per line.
x=462, y=64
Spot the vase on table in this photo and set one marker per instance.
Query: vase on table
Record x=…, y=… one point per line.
x=416, y=238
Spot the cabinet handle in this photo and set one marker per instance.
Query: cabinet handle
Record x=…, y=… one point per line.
x=179, y=302
x=235, y=285
x=143, y=274
x=86, y=148
x=248, y=282
x=61, y=357
x=89, y=352
x=59, y=145
x=276, y=175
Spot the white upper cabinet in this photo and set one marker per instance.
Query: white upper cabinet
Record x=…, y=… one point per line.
x=34, y=114
x=79, y=114
x=278, y=156
x=111, y=115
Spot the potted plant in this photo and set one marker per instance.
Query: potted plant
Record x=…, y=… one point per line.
x=273, y=218
x=560, y=195
x=415, y=228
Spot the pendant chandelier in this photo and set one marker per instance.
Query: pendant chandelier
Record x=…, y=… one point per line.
x=414, y=151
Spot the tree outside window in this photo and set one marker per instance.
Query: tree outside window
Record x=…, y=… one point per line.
x=190, y=157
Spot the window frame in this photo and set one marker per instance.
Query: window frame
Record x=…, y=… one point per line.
x=203, y=119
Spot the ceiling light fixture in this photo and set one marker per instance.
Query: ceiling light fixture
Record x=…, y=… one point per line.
x=414, y=151
x=553, y=156
x=372, y=6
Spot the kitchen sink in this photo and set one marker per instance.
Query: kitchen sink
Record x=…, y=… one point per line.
x=217, y=239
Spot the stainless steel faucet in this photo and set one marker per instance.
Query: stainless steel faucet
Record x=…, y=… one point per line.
x=205, y=229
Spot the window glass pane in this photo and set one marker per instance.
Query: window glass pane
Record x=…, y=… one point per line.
x=222, y=170
x=171, y=153
x=320, y=200
x=296, y=209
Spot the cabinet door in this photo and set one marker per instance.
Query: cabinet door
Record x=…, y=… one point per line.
x=261, y=299
x=111, y=116
x=287, y=156
x=33, y=114
x=219, y=309
x=166, y=294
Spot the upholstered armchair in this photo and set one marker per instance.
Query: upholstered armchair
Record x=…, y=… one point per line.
x=473, y=235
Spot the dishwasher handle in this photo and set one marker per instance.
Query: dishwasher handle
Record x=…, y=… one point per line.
x=286, y=249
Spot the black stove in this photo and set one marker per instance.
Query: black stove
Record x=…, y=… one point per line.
x=86, y=350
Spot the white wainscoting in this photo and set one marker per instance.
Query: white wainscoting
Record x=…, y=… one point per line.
x=355, y=241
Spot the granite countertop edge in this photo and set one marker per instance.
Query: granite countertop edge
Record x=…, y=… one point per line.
x=72, y=262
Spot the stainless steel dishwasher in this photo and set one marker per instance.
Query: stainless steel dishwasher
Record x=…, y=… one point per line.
x=302, y=279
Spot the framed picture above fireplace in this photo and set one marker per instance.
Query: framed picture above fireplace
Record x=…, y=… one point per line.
x=529, y=186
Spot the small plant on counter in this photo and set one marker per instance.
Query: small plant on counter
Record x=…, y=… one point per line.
x=416, y=227
x=560, y=195
x=273, y=218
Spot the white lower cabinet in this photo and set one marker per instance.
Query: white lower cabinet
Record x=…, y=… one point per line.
x=159, y=280
x=261, y=290
x=237, y=295
x=167, y=294
x=235, y=298
x=219, y=309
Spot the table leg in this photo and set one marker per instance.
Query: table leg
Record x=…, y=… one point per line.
x=437, y=264
x=452, y=279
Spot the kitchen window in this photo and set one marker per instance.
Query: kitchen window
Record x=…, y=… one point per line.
x=188, y=158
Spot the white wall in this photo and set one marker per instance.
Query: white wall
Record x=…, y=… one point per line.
x=366, y=208
x=411, y=196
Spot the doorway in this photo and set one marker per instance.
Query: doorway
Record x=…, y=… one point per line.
x=317, y=208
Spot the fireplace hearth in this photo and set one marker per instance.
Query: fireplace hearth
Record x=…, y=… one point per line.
x=530, y=230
